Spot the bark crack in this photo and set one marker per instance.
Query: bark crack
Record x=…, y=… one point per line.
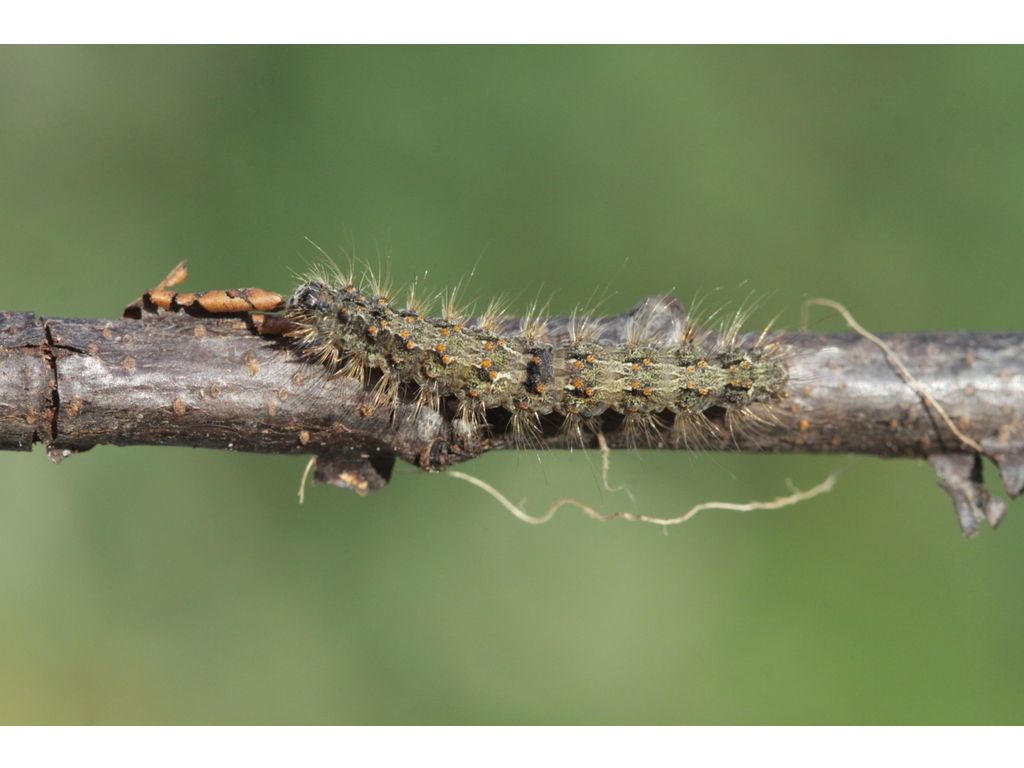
x=53, y=409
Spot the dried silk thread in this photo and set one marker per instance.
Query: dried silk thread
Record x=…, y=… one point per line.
x=656, y=366
x=796, y=497
x=894, y=360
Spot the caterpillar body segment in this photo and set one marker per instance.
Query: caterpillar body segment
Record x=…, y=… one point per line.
x=659, y=371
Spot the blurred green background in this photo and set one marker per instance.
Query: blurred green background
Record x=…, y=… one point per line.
x=177, y=586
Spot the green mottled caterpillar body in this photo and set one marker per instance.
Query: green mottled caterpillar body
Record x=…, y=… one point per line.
x=654, y=364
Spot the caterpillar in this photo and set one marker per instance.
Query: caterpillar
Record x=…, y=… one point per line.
x=658, y=371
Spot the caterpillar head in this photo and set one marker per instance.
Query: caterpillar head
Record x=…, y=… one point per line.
x=323, y=304
x=312, y=298
x=340, y=327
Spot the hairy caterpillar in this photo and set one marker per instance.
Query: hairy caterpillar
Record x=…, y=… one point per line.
x=657, y=369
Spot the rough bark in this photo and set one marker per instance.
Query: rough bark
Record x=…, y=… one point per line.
x=176, y=379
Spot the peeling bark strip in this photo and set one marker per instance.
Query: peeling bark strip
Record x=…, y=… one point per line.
x=213, y=382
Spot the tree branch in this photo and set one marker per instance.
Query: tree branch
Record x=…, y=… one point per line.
x=213, y=382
